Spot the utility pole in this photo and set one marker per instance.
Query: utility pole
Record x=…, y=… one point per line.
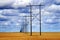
x=40, y=17
x=31, y=17
x=31, y=20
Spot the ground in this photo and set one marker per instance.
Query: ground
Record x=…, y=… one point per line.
x=26, y=36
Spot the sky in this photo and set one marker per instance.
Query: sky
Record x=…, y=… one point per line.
x=12, y=14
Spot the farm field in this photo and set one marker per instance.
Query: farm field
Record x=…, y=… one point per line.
x=26, y=36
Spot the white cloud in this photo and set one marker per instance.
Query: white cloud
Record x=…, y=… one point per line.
x=53, y=8
x=35, y=11
x=5, y=2
x=50, y=14
x=6, y=23
x=14, y=3
x=36, y=2
x=10, y=12
x=23, y=3
x=17, y=24
x=42, y=2
x=20, y=3
x=44, y=12
x=23, y=14
x=49, y=20
x=57, y=2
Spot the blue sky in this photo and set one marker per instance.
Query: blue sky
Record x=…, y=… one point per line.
x=12, y=12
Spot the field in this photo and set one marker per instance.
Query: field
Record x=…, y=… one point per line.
x=26, y=36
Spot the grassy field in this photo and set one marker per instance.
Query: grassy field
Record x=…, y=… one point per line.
x=26, y=36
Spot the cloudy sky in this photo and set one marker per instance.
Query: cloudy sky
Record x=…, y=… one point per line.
x=12, y=12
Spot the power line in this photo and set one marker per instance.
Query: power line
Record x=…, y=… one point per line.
x=33, y=16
